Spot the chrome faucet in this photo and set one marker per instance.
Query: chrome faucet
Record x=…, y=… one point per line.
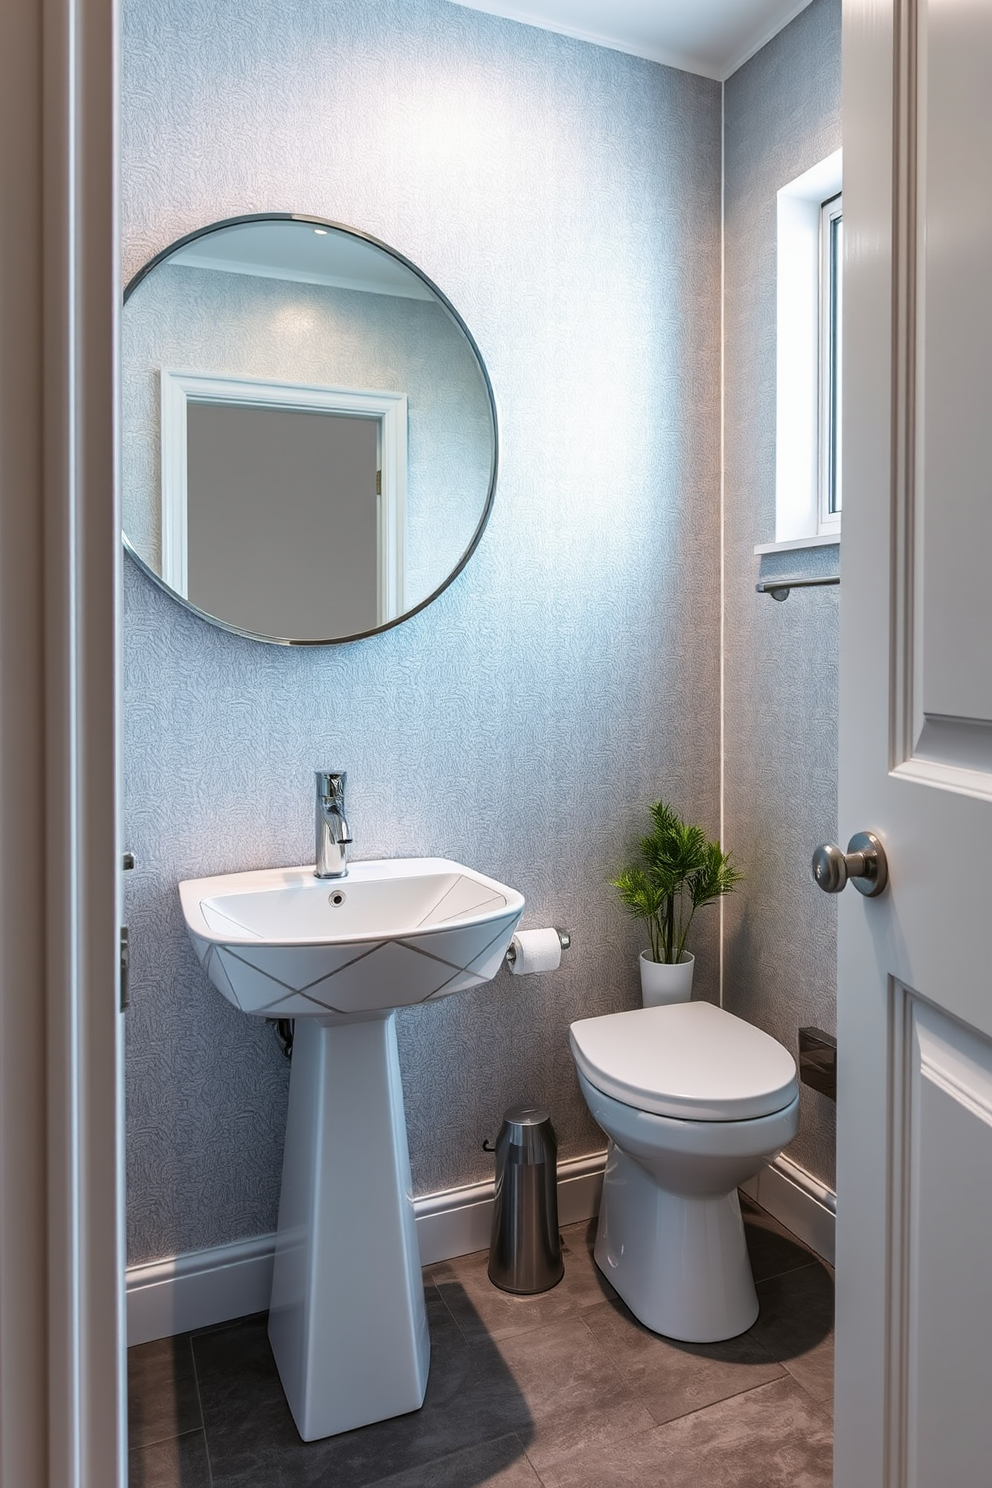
x=332, y=828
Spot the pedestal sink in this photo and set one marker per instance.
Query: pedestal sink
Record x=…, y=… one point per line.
x=347, y=1321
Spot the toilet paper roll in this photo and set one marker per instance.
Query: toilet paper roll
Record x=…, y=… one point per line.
x=535, y=950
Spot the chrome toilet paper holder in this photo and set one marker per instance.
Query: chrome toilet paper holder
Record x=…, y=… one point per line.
x=564, y=936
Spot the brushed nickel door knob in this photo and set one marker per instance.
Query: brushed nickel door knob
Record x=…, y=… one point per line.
x=864, y=864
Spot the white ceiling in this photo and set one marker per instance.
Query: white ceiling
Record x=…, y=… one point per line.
x=711, y=37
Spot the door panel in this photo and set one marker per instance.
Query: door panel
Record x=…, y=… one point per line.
x=955, y=382
x=948, y=1209
x=913, y=1381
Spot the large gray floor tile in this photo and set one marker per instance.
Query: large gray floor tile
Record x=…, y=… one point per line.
x=587, y=1285
x=796, y=1323
x=234, y=1365
x=565, y=1389
x=497, y=1464
x=161, y=1391
x=771, y=1247
x=180, y=1462
x=580, y=1234
x=772, y=1437
x=671, y=1378
x=484, y=1312
x=472, y=1398
x=574, y=1394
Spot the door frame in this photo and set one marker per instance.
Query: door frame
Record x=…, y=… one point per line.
x=61, y=1032
x=880, y=288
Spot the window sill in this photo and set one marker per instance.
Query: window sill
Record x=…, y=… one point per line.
x=798, y=544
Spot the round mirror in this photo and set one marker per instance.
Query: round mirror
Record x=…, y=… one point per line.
x=308, y=430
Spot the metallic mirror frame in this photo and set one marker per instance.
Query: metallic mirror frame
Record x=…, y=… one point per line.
x=202, y=232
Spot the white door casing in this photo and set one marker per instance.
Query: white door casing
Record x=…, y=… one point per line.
x=61, y=1036
x=914, y=1302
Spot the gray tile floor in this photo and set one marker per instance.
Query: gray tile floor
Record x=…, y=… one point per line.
x=564, y=1390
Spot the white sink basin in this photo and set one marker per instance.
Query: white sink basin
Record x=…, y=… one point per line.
x=281, y=943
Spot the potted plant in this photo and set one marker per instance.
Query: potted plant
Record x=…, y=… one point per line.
x=677, y=872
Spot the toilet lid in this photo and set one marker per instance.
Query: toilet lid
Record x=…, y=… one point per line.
x=689, y=1060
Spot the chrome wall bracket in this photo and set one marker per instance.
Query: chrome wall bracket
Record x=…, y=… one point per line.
x=779, y=588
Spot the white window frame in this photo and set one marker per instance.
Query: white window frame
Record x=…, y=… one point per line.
x=800, y=518
x=829, y=429
x=389, y=410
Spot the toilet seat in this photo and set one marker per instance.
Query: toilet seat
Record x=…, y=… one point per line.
x=687, y=1060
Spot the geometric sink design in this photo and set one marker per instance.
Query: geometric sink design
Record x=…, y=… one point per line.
x=280, y=943
x=347, y=1321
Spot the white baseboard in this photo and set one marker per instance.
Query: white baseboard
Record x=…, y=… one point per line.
x=210, y=1286
x=199, y=1288
x=204, y=1287
x=798, y=1201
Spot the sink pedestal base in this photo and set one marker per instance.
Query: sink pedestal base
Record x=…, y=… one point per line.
x=347, y=1322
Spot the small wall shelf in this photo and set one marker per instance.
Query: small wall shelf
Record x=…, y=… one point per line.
x=799, y=544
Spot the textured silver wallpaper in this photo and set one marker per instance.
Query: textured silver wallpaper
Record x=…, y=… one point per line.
x=567, y=198
x=782, y=116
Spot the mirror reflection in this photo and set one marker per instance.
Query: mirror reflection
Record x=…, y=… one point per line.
x=308, y=431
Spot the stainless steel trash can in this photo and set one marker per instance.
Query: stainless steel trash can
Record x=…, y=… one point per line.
x=525, y=1250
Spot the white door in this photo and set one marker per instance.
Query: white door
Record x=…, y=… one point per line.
x=914, y=1253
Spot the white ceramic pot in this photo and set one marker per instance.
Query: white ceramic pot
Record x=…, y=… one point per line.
x=666, y=981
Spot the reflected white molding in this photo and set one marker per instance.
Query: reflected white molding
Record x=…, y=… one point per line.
x=388, y=409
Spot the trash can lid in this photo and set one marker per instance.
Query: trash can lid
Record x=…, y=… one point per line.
x=526, y=1115
x=527, y=1136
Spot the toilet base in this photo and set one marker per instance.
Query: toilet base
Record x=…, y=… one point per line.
x=679, y=1262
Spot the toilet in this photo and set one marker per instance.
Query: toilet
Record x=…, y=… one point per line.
x=694, y=1102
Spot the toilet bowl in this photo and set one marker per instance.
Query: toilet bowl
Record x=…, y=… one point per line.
x=694, y=1102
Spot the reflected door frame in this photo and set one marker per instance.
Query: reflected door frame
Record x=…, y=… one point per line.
x=388, y=409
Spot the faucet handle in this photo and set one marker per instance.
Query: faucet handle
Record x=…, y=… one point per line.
x=331, y=783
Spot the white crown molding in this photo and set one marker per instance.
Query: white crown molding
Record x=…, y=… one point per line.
x=664, y=56
x=763, y=37
x=652, y=49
